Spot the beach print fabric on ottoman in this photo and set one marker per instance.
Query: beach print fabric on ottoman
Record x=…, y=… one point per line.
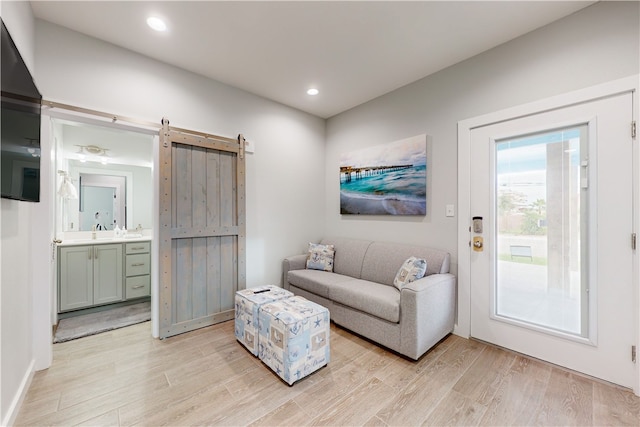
x=247, y=303
x=294, y=337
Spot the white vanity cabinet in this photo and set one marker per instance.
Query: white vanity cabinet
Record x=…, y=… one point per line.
x=89, y=275
x=102, y=273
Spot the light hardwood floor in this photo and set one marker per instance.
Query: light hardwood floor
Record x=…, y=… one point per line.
x=125, y=377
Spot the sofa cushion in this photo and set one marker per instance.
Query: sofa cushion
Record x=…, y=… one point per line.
x=349, y=255
x=378, y=300
x=383, y=260
x=315, y=281
x=412, y=269
x=320, y=257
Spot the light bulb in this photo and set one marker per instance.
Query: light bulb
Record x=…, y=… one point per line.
x=156, y=23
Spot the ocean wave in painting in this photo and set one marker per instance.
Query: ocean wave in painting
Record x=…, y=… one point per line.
x=395, y=192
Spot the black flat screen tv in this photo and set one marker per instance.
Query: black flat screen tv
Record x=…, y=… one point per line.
x=19, y=126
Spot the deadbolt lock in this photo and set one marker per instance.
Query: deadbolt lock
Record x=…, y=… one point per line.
x=477, y=224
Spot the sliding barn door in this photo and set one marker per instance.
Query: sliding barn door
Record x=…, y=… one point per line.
x=202, y=229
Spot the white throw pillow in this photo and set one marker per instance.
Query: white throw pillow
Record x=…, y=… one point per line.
x=412, y=269
x=320, y=257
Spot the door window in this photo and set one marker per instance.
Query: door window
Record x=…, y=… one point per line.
x=541, y=224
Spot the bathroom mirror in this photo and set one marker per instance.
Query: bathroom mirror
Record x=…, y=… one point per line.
x=112, y=172
x=102, y=202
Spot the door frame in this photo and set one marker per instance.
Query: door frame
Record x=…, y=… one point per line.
x=628, y=84
x=50, y=112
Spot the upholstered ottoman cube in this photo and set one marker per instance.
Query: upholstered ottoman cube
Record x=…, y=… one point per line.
x=294, y=337
x=247, y=303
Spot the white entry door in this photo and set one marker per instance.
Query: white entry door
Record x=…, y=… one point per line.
x=551, y=259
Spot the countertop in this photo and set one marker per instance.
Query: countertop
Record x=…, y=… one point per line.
x=104, y=240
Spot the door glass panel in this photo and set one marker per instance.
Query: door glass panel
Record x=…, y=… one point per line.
x=541, y=226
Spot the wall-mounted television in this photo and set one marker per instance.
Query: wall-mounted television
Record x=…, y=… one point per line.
x=19, y=126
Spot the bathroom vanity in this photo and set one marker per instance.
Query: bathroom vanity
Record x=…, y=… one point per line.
x=102, y=271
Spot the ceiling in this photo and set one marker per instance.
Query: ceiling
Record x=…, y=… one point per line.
x=351, y=52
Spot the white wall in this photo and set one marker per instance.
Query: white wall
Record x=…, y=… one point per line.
x=16, y=304
x=592, y=46
x=285, y=175
x=19, y=20
x=16, y=326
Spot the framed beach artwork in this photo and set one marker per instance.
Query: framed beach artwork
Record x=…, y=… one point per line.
x=388, y=179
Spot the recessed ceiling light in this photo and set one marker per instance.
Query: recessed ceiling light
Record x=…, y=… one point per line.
x=313, y=91
x=156, y=23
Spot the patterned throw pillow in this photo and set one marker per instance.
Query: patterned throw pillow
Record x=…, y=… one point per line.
x=320, y=257
x=412, y=269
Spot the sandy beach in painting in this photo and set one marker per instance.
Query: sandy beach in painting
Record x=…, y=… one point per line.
x=372, y=205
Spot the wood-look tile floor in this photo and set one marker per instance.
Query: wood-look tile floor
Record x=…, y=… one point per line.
x=205, y=377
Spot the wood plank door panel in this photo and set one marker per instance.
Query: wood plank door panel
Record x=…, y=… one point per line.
x=202, y=240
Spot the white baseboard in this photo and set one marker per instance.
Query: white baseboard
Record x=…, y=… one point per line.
x=21, y=393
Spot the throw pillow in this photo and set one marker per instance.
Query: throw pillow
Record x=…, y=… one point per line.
x=320, y=257
x=412, y=269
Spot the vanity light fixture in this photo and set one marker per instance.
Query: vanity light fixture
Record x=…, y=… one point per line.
x=95, y=153
x=92, y=149
x=156, y=23
x=313, y=91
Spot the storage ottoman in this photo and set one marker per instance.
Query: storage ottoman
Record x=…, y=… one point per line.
x=247, y=303
x=294, y=337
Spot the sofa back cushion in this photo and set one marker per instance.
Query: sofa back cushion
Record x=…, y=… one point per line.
x=383, y=260
x=349, y=255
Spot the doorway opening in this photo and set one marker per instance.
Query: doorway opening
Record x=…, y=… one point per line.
x=96, y=272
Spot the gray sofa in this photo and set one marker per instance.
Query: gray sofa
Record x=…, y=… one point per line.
x=361, y=297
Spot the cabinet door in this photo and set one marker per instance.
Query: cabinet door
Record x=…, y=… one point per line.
x=76, y=277
x=107, y=274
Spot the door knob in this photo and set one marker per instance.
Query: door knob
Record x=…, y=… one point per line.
x=477, y=243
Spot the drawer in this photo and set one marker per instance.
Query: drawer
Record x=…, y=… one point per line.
x=137, y=247
x=137, y=265
x=139, y=286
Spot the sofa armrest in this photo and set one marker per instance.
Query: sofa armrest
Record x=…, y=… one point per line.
x=427, y=312
x=426, y=282
x=293, y=262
